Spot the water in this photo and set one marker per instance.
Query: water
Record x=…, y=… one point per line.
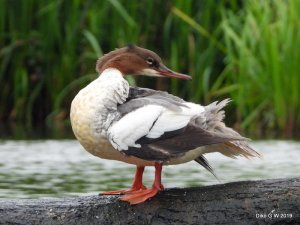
x=36, y=169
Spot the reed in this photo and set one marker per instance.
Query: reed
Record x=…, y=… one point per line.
x=48, y=51
x=262, y=58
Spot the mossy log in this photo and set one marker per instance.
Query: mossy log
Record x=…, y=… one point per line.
x=248, y=202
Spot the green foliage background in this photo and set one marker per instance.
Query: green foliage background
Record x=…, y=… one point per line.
x=245, y=50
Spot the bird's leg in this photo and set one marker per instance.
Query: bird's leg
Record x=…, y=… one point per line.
x=142, y=195
x=136, y=185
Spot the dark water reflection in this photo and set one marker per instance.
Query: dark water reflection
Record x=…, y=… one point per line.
x=33, y=169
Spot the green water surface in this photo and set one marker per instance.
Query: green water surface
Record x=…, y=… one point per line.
x=51, y=168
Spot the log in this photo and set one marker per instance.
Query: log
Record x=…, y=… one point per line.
x=274, y=201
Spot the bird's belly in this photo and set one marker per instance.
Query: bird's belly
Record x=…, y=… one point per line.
x=103, y=149
x=188, y=156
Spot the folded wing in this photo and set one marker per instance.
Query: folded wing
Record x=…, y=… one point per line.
x=155, y=125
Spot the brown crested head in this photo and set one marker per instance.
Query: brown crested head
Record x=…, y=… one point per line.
x=133, y=60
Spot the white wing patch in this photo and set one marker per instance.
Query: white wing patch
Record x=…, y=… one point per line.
x=172, y=120
x=133, y=126
x=139, y=123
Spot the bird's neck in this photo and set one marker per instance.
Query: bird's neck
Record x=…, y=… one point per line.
x=111, y=74
x=96, y=104
x=114, y=89
x=110, y=89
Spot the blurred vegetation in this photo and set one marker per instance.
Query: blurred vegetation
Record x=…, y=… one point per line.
x=246, y=50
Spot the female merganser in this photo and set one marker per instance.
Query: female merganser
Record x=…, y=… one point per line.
x=145, y=127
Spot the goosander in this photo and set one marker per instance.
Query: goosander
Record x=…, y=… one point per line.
x=145, y=127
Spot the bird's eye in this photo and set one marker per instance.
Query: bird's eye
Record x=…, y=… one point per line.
x=150, y=61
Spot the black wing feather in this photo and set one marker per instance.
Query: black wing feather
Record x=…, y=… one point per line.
x=190, y=138
x=203, y=162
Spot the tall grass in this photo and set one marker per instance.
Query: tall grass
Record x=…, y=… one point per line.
x=258, y=44
x=263, y=42
x=48, y=51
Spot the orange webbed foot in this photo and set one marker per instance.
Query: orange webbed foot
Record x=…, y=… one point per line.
x=127, y=191
x=140, y=196
x=136, y=186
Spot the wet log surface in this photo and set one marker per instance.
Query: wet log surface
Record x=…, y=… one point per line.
x=249, y=202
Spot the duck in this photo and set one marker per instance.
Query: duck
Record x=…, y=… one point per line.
x=145, y=127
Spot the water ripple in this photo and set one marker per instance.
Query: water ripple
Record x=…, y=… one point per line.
x=35, y=169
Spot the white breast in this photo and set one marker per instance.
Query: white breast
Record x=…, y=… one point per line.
x=95, y=107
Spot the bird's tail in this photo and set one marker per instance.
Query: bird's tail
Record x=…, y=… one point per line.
x=213, y=122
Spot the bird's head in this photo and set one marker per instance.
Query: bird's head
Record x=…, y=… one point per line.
x=133, y=60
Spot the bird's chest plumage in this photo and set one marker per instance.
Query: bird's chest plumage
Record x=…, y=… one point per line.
x=94, y=109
